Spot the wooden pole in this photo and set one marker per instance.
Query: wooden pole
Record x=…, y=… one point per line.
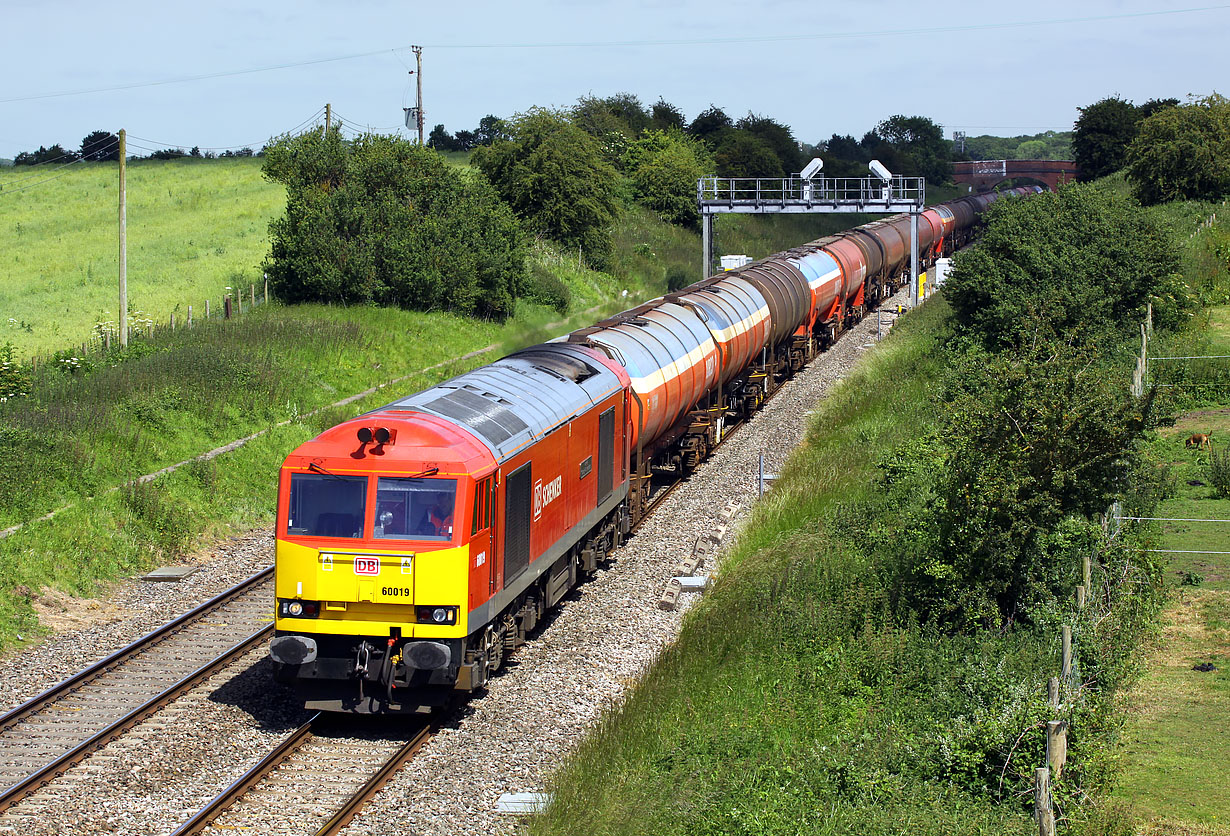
x=252, y=294
x=172, y=322
x=266, y=291
x=123, y=239
x=1052, y=691
x=1066, y=670
x=418, y=99
x=1056, y=746
x=1080, y=597
x=1042, y=802
x=1087, y=571
x=189, y=316
x=206, y=310
x=328, y=117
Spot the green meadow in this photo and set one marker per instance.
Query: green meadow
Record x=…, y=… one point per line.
x=195, y=227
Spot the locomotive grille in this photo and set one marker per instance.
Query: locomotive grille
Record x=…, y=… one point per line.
x=490, y=420
x=606, y=453
x=517, y=510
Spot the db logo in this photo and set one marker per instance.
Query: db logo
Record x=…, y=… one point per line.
x=544, y=494
x=367, y=566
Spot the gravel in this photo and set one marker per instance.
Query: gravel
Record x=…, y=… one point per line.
x=509, y=740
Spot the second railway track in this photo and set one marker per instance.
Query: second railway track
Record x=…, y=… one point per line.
x=49, y=733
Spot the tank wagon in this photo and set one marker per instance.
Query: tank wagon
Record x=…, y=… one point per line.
x=418, y=544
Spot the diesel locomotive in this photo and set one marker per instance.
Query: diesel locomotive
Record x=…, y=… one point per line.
x=418, y=544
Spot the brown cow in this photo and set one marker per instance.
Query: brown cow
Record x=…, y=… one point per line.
x=1201, y=441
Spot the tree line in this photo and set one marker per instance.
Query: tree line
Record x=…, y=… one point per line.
x=104, y=146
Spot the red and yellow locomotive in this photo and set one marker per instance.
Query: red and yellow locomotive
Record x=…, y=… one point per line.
x=418, y=543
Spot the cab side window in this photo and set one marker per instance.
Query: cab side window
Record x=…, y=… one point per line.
x=482, y=506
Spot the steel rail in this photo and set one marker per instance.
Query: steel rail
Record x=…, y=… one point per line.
x=56, y=767
x=374, y=784
x=206, y=815
x=102, y=666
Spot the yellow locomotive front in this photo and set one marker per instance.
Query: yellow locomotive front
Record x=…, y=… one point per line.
x=374, y=570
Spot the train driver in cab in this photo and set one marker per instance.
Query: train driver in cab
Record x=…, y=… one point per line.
x=438, y=521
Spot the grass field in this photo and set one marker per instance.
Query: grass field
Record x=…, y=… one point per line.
x=1179, y=732
x=195, y=227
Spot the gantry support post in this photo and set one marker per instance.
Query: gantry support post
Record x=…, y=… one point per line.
x=706, y=238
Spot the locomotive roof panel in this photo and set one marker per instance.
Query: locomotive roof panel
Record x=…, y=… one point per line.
x=520, y=398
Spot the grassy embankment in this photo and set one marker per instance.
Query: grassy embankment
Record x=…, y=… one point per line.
x=86, y=432
x=1178, y=736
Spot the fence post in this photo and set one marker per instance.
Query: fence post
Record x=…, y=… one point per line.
x=189, y=316
x=1052, y=691
x=1087, y=571
x=1080, y=597
x=226, y=308
x=206, y=310
x=266, y=291
x=1042, y=802
x=252, y=294
x=1066, y=668
x=172, y=322
x=1056, y=746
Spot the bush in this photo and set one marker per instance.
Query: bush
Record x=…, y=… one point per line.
x=1218, y=471
x=664, y=167
x=1183, y=153
x=1078, y=265
x=553, y=175
x=547, y=288
x=381, y=220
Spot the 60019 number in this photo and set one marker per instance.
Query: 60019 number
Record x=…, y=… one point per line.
x=396, y=591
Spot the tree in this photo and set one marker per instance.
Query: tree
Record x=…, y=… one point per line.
x=666, y=116
x=1101, y=136
x=441, y=140
x=920, y=145
x=491, y=129
x=380, y=220
x=1078, y=265
x=777, y=136
x=663, y=167
x=709, y=125
x=466, y=140
x=743, y=154
x=553, y=176
x=1182, y=152
x=100, y=146
x=1035, y=443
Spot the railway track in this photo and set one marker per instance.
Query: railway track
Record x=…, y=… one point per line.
x=48, y=734
x=328, y=764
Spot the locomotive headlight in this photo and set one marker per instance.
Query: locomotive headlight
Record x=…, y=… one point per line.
x=435, y=615
x=295, y=608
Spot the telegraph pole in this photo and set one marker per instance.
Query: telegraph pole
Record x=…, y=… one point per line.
x=328, y=116
x=418, y=110
x=123, y=240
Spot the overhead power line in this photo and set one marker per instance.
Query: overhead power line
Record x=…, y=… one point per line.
x=745, y=39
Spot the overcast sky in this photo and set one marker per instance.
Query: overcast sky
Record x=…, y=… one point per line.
x=821, y=67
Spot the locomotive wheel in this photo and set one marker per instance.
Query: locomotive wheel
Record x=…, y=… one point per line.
x=493, y=651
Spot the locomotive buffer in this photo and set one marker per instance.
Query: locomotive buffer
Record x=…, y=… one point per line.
x=885, y=194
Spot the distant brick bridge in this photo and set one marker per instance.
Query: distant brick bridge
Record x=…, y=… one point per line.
x=986, y=174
